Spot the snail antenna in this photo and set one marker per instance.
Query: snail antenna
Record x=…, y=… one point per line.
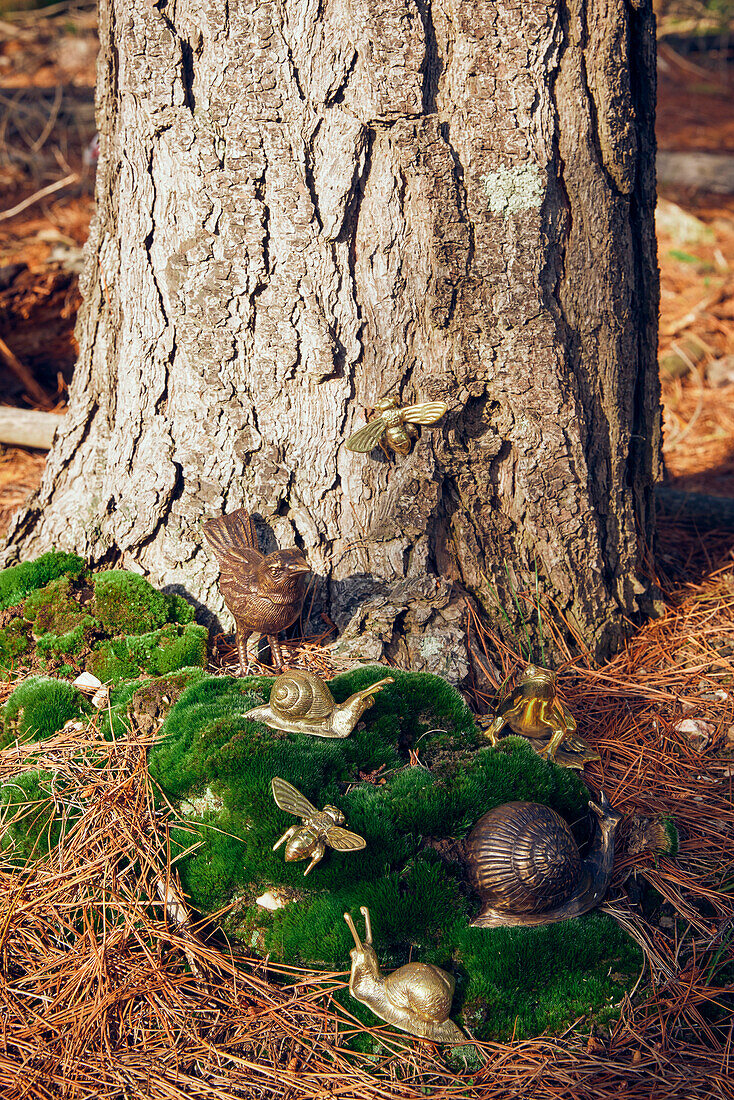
x=367, y=924
x=353, y=930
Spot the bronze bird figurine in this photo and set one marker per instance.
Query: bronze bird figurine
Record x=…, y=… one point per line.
x=265, y=593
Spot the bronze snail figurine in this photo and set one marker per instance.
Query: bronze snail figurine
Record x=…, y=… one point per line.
x=415, y=998
x=300, y=702
x=265, y=593
x=533, y=710
x=319, y=829
x=524, y=863
x=398, y=425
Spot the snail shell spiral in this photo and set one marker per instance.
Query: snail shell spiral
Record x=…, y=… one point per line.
x=522, y=858
x=301, y=695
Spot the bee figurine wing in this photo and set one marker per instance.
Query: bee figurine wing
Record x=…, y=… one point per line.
x=429, y=412
x=367, y=438
x=289, y=799
x=341, y=840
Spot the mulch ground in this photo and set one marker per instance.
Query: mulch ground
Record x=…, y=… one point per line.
x=108, y=988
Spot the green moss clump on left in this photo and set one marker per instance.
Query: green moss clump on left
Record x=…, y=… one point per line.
x=52, y=609
x=38, y=708
x=14, y=642
x=154, y=654
x=125, y=603
x=32, y=827
x=18, y=581
x=113, y=623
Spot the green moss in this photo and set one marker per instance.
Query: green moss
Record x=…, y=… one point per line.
x=113, y=623
x=161, y=651
x=52, y=609
x=179, y=609
x=73, y=642
x=671, y=832
x=18, y=581
x=38, y=708
x=32, y=816
x=125, y=603
x=14, y=642
x=432, y=776
x=146, y=703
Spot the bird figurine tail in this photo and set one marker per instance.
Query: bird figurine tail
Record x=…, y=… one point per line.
x=231, y=534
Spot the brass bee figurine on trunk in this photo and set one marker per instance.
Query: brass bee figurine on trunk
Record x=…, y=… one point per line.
x=533, y=710
x=416, y=997
x=398, y=425
x=319, y=829
x=264, y=593
x=300, y=702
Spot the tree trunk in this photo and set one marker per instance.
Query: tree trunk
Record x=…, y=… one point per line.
x=304, y=205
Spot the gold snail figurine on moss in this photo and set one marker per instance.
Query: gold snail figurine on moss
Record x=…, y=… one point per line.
x=533, y=710
x=415, y=998
x=300, y=702
x=524, y=863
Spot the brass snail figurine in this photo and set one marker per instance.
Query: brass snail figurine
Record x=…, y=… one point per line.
x=319, y=829
x=415, y=998
x=300, y=702
x=533, y=710
x=398, y=425
x=524, y=863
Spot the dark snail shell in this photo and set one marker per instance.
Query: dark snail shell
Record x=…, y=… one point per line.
x=522, y=858
x=299, y=694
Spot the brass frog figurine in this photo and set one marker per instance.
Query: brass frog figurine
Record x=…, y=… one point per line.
x=319, y=829
x=533, y=710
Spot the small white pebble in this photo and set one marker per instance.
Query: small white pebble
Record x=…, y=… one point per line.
x=87, y=683
x=72, y=726
x=101, y=697
x=271, y=901
x=696, y=731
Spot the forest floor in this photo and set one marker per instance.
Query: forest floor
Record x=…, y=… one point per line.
x=168, y=1014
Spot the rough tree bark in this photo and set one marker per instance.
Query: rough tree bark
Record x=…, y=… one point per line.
x=303, y=204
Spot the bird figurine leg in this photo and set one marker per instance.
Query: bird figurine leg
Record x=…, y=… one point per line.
x=276, y=655
x=243, y=636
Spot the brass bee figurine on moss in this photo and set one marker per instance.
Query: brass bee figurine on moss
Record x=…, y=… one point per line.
x=416, y=997
x=319, y=828
x=533, y=710
x=398, y=425
x=300, y=702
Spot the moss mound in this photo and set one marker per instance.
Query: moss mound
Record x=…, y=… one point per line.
x=29, y=813
x=113, y=623
x=412, y=782
x=38, y=708
x=18, y=581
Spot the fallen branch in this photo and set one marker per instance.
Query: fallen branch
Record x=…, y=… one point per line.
x=38, y=195
x=23, y=375
x=28, y=428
